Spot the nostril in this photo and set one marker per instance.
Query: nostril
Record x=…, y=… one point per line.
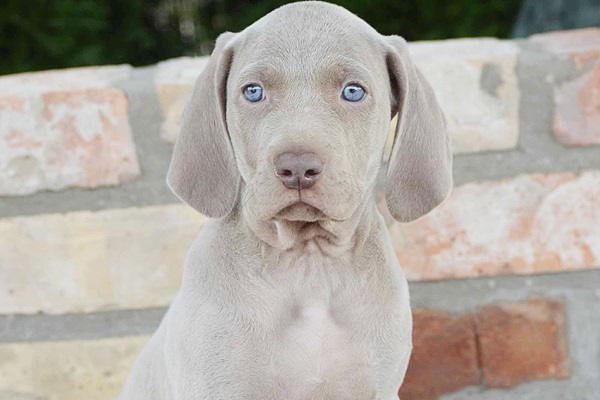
x=283, y=173
x=311, y=173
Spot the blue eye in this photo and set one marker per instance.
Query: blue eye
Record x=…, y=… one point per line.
x=253, y=93
x=353, y=93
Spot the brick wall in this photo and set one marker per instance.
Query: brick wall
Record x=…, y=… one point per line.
x=505, y=278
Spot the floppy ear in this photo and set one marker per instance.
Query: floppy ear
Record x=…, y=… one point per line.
x=203, y=172
x=419, y=175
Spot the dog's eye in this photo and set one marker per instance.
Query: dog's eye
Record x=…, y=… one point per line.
x=353, y=93
x=253, y=93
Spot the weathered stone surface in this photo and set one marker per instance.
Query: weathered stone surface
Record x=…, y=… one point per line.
x=525, y=225
x=72, y=370
x=581, y=45
x=476, y=84
x=521, y=342
x=444, y=357
x=84, y=261
x=61, y=129
x=577, y=113
x=174, y=81
x=577, y=101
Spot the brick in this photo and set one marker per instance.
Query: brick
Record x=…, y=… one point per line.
x=62, y=129
x=174, y=80
x=580, y=45
x=577, y=109
x=529, y=224
x=444, y=357
x=476, y=84
x=83, y=261
x=577, y=100
x=69, y=370
x=522, y=342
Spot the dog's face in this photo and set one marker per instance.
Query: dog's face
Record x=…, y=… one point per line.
x=308, y=113
x=291, y=115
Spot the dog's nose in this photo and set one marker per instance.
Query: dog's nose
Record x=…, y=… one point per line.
x=298, y=171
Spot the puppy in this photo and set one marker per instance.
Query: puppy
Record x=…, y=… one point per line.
x=293, y=290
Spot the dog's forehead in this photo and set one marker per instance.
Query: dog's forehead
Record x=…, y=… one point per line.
x=309, y=31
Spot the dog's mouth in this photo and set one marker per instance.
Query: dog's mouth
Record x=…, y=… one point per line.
x=301, y=211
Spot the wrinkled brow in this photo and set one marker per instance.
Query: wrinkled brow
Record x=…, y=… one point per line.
x=267, y=74
x=274, y=74
x=346, y=69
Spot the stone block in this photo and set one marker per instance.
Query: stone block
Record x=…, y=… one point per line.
x=87, y=261
x=62, y=129
x=528, y=224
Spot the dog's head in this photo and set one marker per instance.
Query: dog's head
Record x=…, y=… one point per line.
x=291, y=115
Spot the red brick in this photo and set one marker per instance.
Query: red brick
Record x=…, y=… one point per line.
x=524, y=225
x=61, y=129
x=522, y=342
x=444, y=357
x=577, y=101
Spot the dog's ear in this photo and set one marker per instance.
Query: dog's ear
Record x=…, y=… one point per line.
x=203, y=172
x=419, y=174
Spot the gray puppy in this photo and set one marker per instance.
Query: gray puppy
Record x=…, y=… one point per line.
x=294, y=292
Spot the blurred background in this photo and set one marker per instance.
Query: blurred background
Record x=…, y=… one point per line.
x=67, y=33
x=504, y=276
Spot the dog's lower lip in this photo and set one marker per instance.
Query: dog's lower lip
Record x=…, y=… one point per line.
x=300, y=211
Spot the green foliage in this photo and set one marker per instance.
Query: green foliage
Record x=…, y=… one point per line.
x=414, y=20
x=64, y=33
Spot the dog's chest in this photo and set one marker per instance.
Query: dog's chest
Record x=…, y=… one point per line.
x=318, y=358
x=316, y=338
x=317, y=355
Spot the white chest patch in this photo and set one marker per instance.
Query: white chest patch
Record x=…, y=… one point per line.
x=317, y=358
x=314, y=355
x=315, y=331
